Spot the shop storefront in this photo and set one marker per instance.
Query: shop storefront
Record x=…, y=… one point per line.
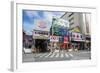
x=64, y=42
x=40, y=40
x=88, y=42
x=77, y=41
x=41, y=35
x=54, y=43
x=60, y=28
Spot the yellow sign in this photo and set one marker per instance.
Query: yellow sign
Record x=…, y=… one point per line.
x=76, y=29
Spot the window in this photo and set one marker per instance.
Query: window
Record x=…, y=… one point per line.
x=70, y=14
x=73, y=35
x=81, y=36
x=71, y=19
x=77, y=36
x=72, y=23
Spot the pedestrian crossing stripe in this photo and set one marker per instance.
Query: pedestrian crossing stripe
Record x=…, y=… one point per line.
x=43, y=55
x=37, y=55
x=62, y=55
x=57, y=55
x=52, y=55
x=66, y=54
x=71, y=55
x=48, y=55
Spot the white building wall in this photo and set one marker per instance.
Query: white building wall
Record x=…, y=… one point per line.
x=83, y=20
x=86, y=24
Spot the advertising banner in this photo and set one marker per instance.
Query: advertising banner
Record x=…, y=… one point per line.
x=60, y=26
x=77, y=37
x=42, y=25
x=65, y=39
x=54, y=39
x=58, y=22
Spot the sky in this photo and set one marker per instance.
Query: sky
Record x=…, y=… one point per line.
x=31, y=16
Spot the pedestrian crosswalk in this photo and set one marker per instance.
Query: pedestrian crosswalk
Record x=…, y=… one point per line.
x=56, y=56
x=61, y=54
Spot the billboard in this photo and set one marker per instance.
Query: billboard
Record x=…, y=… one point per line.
x=58, y=22
x=41, y=25
x=60, y=27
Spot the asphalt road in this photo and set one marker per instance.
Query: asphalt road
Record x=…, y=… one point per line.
x=57, y=56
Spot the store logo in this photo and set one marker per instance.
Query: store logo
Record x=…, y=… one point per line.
x=42, y=24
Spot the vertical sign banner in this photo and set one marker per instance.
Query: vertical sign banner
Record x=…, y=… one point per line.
x=65, y=39
x=61, y=39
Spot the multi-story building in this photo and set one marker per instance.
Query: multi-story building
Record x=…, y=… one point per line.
x=81, y=20
x=79, y=23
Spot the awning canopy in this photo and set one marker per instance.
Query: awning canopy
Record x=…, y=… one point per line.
x=79, y=40
x=40, y=37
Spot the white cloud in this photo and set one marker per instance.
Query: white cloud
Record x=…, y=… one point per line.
x=47, y=16
x=32, y=13
x=50, y=15
x=58, y=14
x=28, y=28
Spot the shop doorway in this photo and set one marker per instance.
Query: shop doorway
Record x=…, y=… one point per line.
x=41, y=45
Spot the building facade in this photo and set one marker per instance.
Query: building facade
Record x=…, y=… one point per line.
x=79, y=23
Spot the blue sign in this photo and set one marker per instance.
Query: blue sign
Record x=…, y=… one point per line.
x=61, y=39
x=63, y=32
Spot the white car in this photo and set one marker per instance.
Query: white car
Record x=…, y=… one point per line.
x=27, y=50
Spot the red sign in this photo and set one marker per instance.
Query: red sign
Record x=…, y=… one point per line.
x=65, y=39
x=42, y=24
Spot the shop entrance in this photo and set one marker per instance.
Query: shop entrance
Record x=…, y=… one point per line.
x=78, y=45
x=41, y=45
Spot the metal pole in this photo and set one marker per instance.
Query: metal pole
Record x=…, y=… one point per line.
x=52, y=35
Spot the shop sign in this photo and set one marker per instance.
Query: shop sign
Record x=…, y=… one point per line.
x=61, y=39
x=76, y=29
x=65, y=39
x=41, y=33
x=41, y=25
x=77, y=37
x=54, y=39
